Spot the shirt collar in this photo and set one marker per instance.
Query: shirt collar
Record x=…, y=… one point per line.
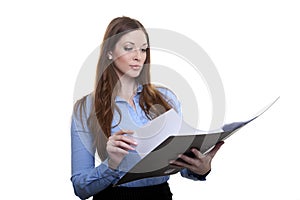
x=139, y=88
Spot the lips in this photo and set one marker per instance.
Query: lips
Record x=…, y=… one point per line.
x=135, y=67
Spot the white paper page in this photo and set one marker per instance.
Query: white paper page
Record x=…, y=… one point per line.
x=187, y=129
x=159, y=129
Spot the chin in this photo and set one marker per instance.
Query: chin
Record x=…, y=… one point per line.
x=132, y=74
x=135, y=75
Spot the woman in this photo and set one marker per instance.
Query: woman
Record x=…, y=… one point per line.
x=123, y=99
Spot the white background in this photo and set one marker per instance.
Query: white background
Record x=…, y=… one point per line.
x=254, y=44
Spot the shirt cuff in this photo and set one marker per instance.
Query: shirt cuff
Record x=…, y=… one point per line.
x=200, y=177
x=111, y=175
x=191, y=175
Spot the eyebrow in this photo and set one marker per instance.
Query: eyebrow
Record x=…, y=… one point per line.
x=134, y=43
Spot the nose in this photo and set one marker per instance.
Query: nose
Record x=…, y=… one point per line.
x=137, y=55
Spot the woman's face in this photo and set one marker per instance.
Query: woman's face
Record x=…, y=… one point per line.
x=129, y=54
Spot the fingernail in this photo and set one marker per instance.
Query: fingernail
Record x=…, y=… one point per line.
x=171, y=161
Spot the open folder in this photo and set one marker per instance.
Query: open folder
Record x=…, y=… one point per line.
x=167, y=136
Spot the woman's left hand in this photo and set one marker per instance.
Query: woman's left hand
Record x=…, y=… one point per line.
x=201, y=164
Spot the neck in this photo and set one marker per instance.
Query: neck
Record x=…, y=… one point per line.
x=128, y=87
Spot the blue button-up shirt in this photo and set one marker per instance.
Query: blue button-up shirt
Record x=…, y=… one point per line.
x=89, y=179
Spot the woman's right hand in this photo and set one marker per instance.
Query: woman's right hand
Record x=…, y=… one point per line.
x=118, y=146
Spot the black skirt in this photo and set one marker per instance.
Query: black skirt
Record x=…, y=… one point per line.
x=161, y=191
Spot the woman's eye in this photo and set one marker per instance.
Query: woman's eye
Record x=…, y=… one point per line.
x=144, y=50
x=128, y=48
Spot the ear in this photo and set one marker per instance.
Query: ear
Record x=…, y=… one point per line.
x=109, y=55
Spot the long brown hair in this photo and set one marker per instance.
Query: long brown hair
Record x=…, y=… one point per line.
x=100, y=119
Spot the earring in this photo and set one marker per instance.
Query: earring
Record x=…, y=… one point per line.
x=109, y=57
